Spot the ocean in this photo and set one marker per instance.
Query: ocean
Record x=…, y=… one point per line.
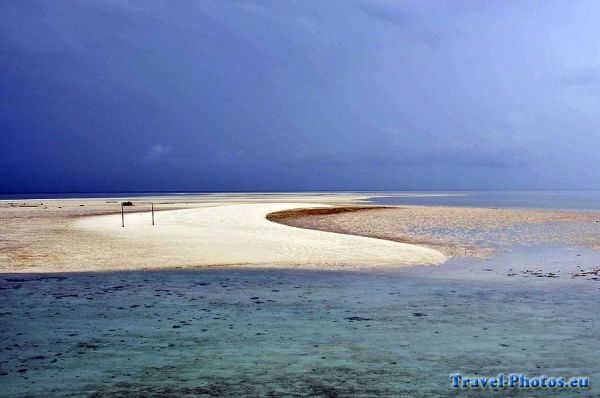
x=234, y=333
x=543, y=200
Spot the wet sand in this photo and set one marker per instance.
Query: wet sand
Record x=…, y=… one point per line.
x=454, y=231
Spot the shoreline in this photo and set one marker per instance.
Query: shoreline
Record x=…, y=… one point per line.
x=216, y=234
x=456, y=231
x=453, y=270
x=81, y=235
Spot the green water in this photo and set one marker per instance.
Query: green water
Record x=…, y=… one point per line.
x=288, y=333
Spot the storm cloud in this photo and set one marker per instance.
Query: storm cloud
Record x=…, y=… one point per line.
x=208, y=95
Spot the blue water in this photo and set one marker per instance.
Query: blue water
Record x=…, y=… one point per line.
x=287, y=333
x=549, y=200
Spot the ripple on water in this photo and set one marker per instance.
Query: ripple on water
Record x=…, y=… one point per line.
x=236, y=333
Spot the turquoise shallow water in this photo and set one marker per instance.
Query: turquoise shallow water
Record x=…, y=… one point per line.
x=287, y=333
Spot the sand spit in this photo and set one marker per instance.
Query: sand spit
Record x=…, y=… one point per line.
x=60, y=235
x=210, y=235
x=454, y=231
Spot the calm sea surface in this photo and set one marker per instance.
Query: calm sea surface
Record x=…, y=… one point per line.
x=78, y=195
x=287, y=333
x=554, y=200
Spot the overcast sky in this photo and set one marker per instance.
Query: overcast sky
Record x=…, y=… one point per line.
x=298, y=95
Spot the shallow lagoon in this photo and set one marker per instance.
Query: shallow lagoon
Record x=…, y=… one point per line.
x=281, y=332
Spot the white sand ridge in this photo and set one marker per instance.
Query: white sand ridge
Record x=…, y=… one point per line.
x=239, y=235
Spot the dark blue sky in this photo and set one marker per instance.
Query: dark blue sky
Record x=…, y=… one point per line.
x=298, y=95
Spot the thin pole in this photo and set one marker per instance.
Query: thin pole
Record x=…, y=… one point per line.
x=122, y=216
x=152, y=213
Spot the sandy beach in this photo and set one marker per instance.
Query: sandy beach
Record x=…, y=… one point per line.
x=307, y=231
x=213, y=231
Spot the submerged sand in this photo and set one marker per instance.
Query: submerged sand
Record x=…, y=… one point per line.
x=454, y=231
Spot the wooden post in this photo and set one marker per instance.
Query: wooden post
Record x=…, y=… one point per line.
x=152, y=213
x=122, y=216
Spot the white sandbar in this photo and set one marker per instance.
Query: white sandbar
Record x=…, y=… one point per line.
x=238, y=235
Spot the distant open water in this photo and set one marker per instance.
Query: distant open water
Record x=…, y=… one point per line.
x=87, y=195
x=548, y=200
